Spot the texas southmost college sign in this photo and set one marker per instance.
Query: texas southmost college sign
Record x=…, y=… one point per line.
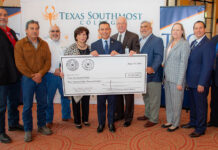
x=70, y=14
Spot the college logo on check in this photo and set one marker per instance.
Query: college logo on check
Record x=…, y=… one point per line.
x=72, y=64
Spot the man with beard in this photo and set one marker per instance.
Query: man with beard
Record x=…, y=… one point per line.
x=53, y=80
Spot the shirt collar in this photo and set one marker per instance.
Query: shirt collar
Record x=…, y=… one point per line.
x=108, y=40
x=199, y=40
x=26, y=39
x=143, y=38
x=54, y=41
x=123, y=34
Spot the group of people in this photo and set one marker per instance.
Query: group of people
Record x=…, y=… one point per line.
x=32, y=65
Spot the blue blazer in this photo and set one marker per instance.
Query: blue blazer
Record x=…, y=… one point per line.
x=200, y=64
x=216, y=70
x=214, y=44
x=114, y=45
x=154, y=49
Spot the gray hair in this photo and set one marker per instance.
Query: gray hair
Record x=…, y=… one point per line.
x=53, y=26
x=122, y=17
x=145, y=21
x=31, y=22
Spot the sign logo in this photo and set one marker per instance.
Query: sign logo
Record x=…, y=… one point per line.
x=72, y=64
x=50, y=14
x=88, y=64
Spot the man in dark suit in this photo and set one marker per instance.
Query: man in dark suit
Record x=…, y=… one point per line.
x=106, y=45
x=214, y=87
x=130, y=44
x=153, y=47
x=198, y=78
x=9, y=79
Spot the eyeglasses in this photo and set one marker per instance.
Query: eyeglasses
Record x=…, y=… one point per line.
x=57, y=31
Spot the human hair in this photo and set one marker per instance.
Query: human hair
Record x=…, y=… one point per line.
x=199, y=22
x=182, y=28
x=50, y=28
x=3, y=9
x=122, y=17
x=104, y=22
x=31, y=22
x=81, y=30
x=145, y=21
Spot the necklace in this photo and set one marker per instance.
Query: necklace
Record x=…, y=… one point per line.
x=81, y=47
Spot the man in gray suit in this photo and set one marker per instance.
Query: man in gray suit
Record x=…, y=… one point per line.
x=130, y=44
x=153, y=47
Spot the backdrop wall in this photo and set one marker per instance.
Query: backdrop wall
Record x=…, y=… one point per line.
x=72, y=14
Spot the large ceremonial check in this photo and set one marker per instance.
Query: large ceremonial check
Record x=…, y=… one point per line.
x=104, y=74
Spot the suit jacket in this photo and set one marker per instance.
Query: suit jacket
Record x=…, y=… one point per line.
x=154, y=49
x=114, y=45
x=131, y=40
x=214, y=44
x=175, y=64
x=216, y=71
x=8, y=71
x=200, y=64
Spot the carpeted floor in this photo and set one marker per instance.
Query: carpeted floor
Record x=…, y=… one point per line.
x=67, y=137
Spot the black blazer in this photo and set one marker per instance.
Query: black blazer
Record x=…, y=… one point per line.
x=8, y=71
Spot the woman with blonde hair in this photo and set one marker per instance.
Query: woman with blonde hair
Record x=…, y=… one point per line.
x=175, y=65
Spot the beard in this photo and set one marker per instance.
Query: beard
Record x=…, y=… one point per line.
x=55, y=38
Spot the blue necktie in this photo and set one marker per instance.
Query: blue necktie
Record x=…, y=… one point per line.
x=106, y=48
x=195, y=43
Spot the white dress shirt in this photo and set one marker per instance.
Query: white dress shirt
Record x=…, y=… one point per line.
x=108, y=42
x=57, y=51
x=143, y=41
x=122, y=37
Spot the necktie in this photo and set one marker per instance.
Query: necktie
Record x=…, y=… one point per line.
x=194, y=45
x=120, y=37
x=106, y=48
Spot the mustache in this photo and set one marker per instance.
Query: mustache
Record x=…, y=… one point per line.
x=35, y=34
